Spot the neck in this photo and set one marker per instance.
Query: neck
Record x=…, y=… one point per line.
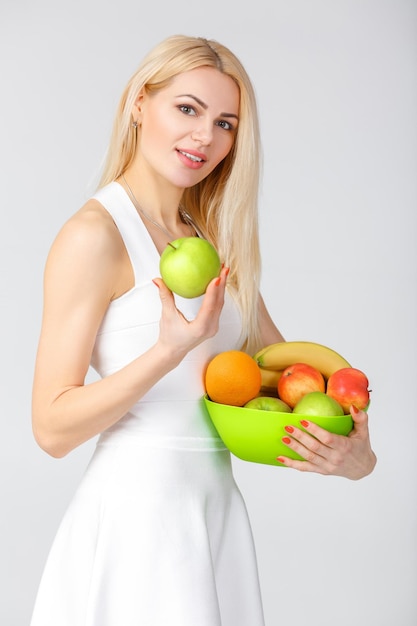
x=158, y=198
x=161, y=221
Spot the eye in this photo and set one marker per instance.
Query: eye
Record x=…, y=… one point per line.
x=186, y=109
x=225, y=125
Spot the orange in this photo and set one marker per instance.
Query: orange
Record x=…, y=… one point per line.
x=233, y=377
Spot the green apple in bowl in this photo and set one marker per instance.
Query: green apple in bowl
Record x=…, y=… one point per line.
x=187, y=266
x=318, y=403
x=268, y=403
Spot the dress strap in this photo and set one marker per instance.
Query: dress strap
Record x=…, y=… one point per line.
x=139, y=245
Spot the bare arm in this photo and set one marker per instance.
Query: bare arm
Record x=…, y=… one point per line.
x=269, y=332
x=81, y=278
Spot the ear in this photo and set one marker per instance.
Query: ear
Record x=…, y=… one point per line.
x=137, y=108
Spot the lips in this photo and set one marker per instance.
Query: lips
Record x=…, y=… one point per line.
x=191, y=158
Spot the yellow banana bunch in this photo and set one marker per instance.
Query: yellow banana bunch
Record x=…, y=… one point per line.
x=270, y=380
x=277, y=356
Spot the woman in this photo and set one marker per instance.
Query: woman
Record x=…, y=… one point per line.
x=157, y=532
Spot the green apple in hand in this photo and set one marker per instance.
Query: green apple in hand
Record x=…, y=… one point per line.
x=268, y=403
x=188, y=264
x=318, y=403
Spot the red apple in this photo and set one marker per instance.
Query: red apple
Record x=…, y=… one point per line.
x=349, y=386
x=297, y=380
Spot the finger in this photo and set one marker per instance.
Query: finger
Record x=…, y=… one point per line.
x=165, y=294
x=214, y=297
x=309, y=448
x=324, y=451
x=301, y=466
x=219, y=281
x=322, y=435
x=360, y=422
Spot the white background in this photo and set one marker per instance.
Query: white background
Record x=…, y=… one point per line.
x=336, y=83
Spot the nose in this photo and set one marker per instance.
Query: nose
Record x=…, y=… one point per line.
x=203, y=134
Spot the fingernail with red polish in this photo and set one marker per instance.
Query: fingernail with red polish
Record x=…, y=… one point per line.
x=227, y=270
x=155, y=283
x=286, y=440
x=217, y=283
x=355, y=409
x=289, y=429
x=305, y=423
x=281, y=459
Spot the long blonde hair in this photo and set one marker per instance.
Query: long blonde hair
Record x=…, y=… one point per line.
x=224, y=205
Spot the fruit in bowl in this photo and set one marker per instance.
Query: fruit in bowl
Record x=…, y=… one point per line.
x=320, y=386
x=278, y=356
x=297, y=380
x=268, y=403
x=292, y=365
x=232, y=377
x=349, y=386
x=318, y=403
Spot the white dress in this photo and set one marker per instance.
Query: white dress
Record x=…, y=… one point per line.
x=157, y=533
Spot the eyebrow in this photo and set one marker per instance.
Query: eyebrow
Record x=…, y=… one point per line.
x=204, y=105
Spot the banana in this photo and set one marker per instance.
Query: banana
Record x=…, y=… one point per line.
x=270, y=380
x=278, y=356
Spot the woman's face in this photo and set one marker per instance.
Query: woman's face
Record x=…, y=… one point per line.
x=188, y=127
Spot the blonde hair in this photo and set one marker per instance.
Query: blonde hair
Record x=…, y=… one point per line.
x=224, y=205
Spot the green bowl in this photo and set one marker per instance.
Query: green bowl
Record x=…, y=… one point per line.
x=255, y=435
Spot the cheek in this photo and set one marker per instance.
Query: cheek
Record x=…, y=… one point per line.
x=224, y=147
x=154, y=138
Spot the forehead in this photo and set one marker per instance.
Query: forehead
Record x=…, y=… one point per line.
x=215, y=89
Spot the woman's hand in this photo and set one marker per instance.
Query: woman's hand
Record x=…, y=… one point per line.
x=326, y=453
x=182, y=335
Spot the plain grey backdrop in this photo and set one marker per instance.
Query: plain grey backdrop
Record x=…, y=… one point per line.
x=336, y=83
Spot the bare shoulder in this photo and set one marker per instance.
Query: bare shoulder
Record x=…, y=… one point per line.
x=90, y=226
x=88, y=246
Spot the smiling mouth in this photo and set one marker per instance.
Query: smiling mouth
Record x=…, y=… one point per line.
x=192, y=157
